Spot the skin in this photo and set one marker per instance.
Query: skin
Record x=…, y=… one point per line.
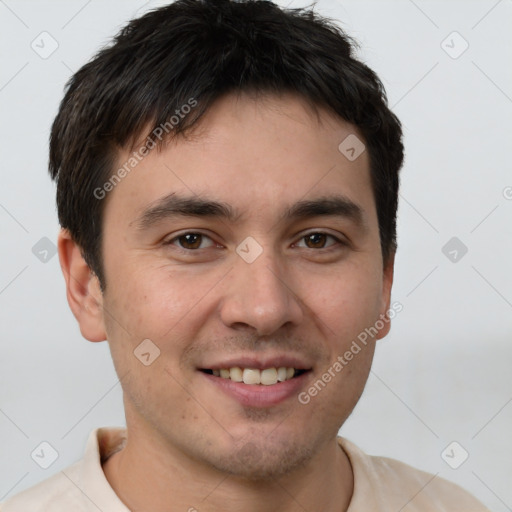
x=190, y=444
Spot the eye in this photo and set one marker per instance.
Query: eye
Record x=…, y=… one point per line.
x=318, y=240
x=191, y=241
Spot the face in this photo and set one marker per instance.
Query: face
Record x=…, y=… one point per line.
x=248, y=248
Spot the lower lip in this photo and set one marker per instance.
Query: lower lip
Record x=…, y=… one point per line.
x=259, y=395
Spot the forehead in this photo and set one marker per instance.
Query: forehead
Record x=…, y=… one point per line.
x=259, y=155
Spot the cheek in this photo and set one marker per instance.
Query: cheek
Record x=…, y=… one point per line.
x=152, y=302
x=347, y=301
x=156, y=393
x=147, y=306
x=165, y=305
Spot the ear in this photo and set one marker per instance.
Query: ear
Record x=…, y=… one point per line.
x=387, y=283
x=82, y=289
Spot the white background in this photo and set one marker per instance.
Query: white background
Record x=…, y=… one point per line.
x=442, y=375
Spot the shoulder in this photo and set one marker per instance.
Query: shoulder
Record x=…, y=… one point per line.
x=389, y=484
x=55, y=494
x=81, y=487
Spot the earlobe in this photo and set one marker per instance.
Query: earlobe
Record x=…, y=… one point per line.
x=82, y=289
x=387, y=283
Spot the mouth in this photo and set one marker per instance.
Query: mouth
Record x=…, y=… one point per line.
x=257, y=377
x=260, y=382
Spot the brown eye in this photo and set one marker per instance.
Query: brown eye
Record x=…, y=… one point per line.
x=191, y=241
x=319, y=240
x=315, y=240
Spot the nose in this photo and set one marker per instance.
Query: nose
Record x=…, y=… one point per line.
x=259, y=297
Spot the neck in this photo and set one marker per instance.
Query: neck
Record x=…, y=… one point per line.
x=146, y=476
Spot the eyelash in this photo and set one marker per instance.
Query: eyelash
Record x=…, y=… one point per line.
x=338, y=241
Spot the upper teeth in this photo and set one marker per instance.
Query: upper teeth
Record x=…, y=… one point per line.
x=267, y=377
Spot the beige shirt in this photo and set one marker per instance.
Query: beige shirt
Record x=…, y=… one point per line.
x=380, y=485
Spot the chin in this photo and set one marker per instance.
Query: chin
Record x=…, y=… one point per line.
x=263, y=460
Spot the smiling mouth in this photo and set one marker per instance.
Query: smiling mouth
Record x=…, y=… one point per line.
x=254, y=376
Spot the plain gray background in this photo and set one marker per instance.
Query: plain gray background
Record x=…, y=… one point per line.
x=441, y=376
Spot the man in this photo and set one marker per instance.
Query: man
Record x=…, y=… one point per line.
x=227, y=183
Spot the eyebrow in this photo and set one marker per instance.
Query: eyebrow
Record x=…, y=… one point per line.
x=174, y=205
